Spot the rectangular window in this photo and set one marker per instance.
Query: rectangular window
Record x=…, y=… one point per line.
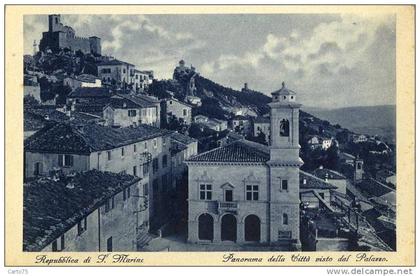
x=284, y=185
x=109, y=244
x=132, y=113
x=165, y=161
x=184, y=112
x=155, y=165
x=145, y=145
x=206, y=191
x=135, y=170
x=65, y=160
x=58, y=244
x=126, y=193
x=252, y=192
x=228, y=195
x=122, y=151
x=146, y=189
x=155, y=143
x=109, y=155
x=109, y=204
x=145, y=169
x=135, y=148
x=81, y=226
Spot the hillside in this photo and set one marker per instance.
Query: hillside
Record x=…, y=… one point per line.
x=372, y=120
x=217, y=101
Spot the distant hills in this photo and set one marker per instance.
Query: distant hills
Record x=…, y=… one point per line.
x=373, y=120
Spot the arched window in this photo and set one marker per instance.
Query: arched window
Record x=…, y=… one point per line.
x=284, y=128
x=285, y=219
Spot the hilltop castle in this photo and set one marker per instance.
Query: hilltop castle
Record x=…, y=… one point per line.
x=60, y=37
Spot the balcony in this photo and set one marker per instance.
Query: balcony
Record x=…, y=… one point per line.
x=228, y=206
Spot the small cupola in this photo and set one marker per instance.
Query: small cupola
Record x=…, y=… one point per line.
x=284, y=95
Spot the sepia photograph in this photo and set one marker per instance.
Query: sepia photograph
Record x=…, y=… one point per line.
x=232, y=132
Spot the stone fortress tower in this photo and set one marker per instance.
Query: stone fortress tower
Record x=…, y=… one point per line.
x=59, y=37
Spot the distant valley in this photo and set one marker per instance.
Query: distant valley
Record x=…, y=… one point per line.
x=373, y=120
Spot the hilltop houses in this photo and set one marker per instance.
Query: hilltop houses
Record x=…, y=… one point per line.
x=178, y=109
x=117, y=109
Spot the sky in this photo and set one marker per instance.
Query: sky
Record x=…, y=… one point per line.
x=329, y=60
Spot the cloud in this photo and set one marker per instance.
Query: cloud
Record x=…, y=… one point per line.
x=335, y=59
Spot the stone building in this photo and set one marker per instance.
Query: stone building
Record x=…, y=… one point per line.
x=241, y=124
x=140, y=151
x=83, y=80
x=248, y=192
x=117, y=109
x=61, y=37
x=126, y=110
x=31, y=87
x=333, y=177
x=116, y=72
x=314, y=190
x=88, y=212
x=179, y=110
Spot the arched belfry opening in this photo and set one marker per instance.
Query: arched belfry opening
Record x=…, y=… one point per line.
x=284, y=128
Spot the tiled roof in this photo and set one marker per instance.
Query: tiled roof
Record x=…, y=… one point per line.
x=239, y=151
x=50, y=208
x=86, y=138
x=374, y=187
x=310, y=181
x=87, y=78
x=90, y=92
x=328, y=174
x=182, y=138
x=114, y=62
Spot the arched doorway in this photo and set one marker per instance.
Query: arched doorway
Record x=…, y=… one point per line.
x=205, y=227
x=252, y=228
x=229, y=228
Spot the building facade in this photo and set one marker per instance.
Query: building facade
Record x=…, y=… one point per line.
x=248, y=192
x=179, y=110
x=142, y=151
x=100, y=212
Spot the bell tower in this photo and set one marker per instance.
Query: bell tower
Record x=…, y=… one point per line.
x=284, y=166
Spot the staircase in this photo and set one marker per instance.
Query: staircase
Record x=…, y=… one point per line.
x=143, y=240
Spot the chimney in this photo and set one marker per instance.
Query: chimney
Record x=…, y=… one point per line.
x=246, y=86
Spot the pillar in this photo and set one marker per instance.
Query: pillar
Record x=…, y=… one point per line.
x=192, y=231
x=217, y=237
x=240, y=232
